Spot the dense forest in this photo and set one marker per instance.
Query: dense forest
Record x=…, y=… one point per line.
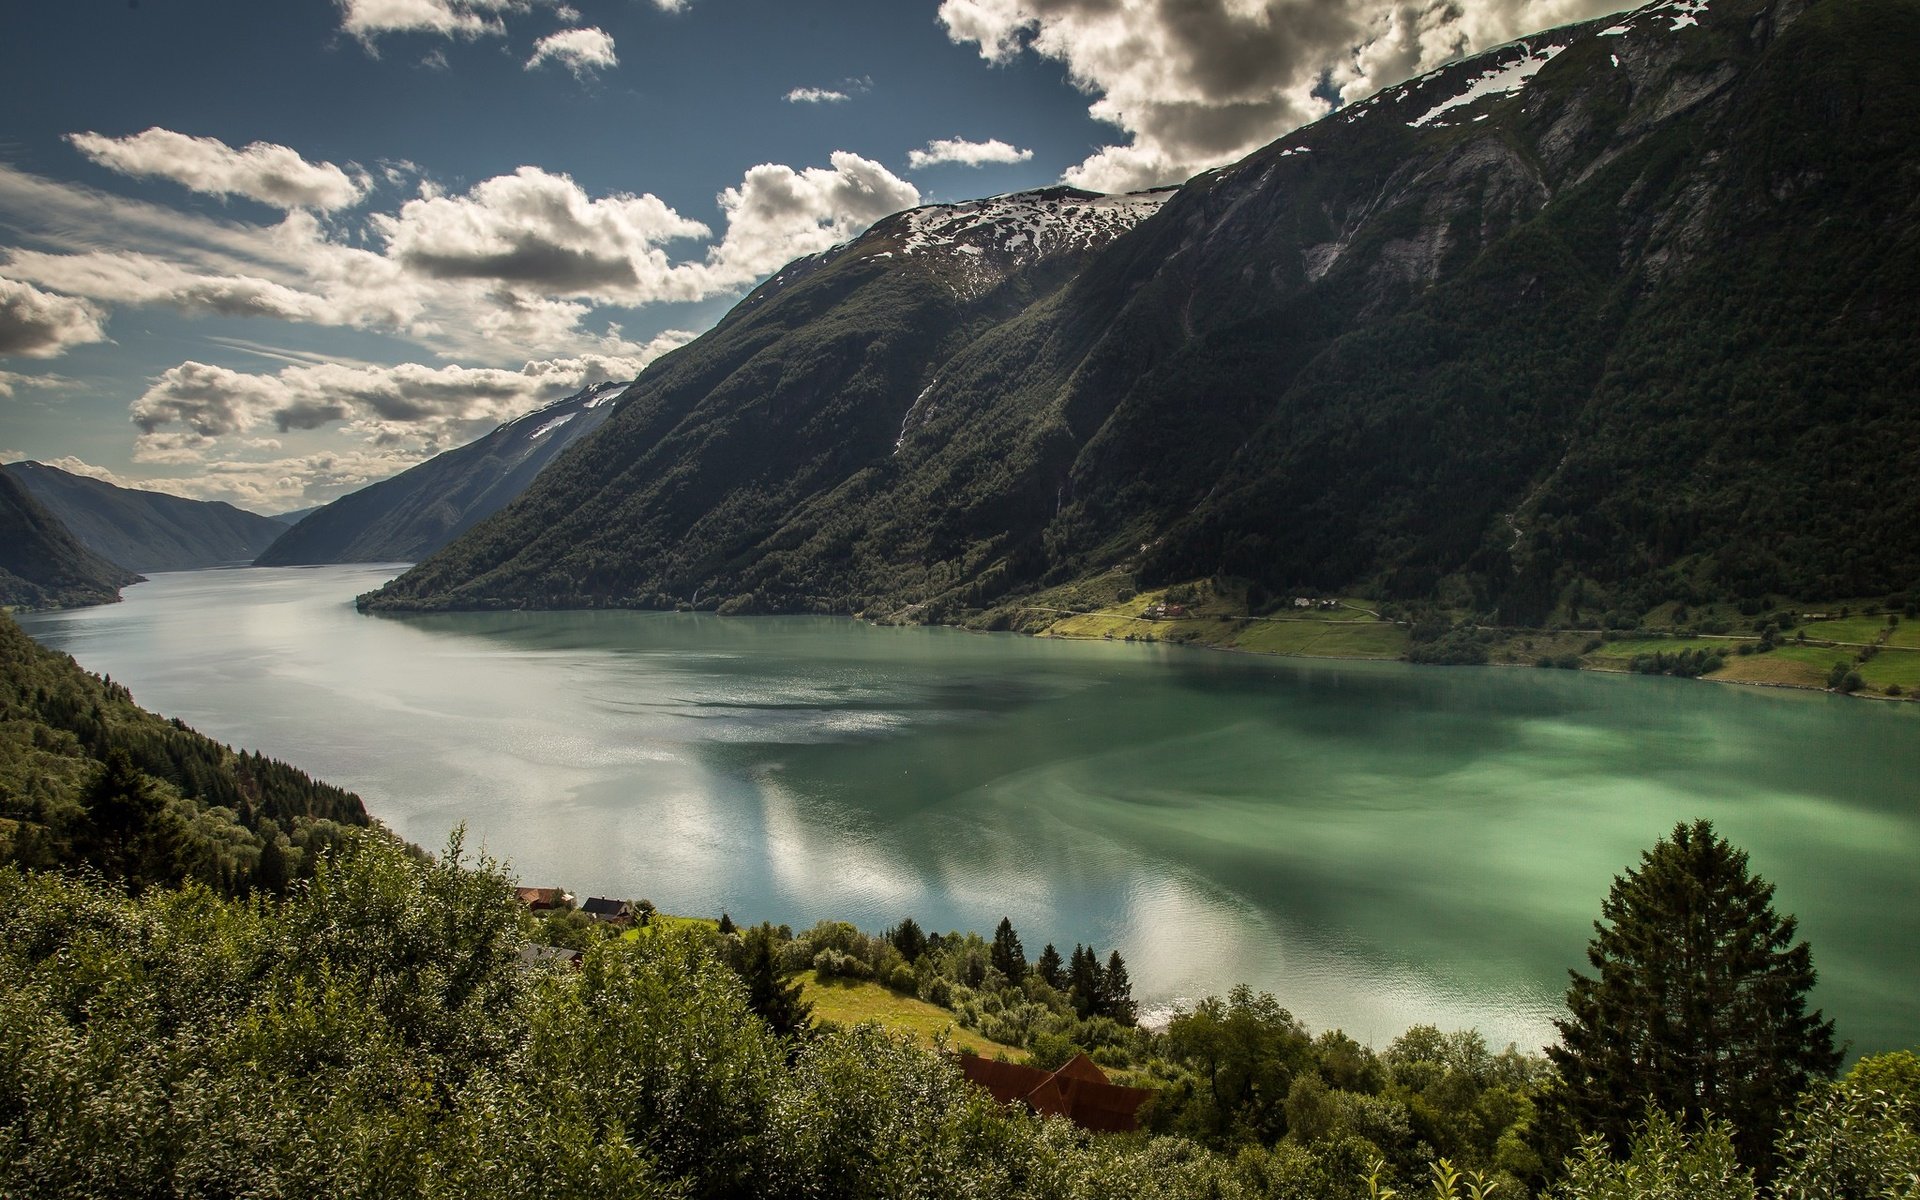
x=216, y=980
x=87, y=777
x=1639, y=332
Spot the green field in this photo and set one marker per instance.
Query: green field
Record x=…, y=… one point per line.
x=1862, y=629
x=1893, y=667
x=1799, y=666
x=853, y=1002
x=1221, y=621
x=1629, y=648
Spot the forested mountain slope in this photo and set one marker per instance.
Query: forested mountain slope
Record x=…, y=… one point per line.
x=1622, y=308
x=147, y=531
x=408, y=517
x=42, y=565
x=89, y=777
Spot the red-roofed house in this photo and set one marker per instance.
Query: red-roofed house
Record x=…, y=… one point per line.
x=1078, y=1091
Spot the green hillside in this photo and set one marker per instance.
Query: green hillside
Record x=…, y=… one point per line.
x=42, y=565
x=1636, y=334
x=89, y=777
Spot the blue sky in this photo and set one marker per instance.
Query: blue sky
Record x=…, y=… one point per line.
x=271, y=250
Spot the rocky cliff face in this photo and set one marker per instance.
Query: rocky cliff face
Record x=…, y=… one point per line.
x=1618, y=308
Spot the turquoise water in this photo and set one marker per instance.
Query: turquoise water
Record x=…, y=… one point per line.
x=1377, y=844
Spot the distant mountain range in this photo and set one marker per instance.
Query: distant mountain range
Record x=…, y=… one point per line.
x=1618, y=313
x=415, y=513
x=42, y=565
x=147, y=531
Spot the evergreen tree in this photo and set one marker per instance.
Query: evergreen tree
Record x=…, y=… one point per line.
x=1049, y=966
x=1116, y=992
x=727, y=925
x=778, y=1002
x=1083, y=980
x=270, y=873
x=1008, y=956
x=1699, y=1006
x=908, y=939
x=128, y=832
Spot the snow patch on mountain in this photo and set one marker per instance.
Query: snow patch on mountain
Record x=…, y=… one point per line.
x=979, y=243
x=1028, y=225
x=1503, y=80
x=1679, y=14
x=552, y=425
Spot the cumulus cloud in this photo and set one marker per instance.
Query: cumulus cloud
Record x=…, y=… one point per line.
x=37, y=324
x=205, y=416
x=189, y=407
x=582, y=51
x=1198, y=83
x=960, y=150
x=816, y=95
x=76, y=466
x=262, y=171
x=368, y=19
x=778, y=214
x=517, y=264
x=540, y=229
x=672, y=6
x=540, y=232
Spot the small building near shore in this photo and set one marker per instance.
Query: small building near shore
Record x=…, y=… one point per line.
x=538, y=899
x=610, y=912
x=1078, y=1091
x=536, y=957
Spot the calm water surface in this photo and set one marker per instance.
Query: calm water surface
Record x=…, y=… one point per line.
x=1377, y=844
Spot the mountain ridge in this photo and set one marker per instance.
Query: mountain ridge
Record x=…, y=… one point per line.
x=145, y=530
x=1416, y=350
x=416, y=512
x=42, y=565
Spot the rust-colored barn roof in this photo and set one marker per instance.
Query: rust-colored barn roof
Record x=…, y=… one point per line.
x=543, y=897
x=1078, y=1091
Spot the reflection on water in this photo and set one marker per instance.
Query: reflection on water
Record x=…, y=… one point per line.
x=1377, y=844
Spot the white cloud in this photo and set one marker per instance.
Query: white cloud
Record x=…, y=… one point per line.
x=960, y=150
x=280, y=484
x=540, y=236
x=190, y=406
x=582, y=51
x=1198, y=83
x=815, y=95
x=37, y=324
x=131, y=278
x=368, y=19
x=672, y=6
x=542, y=231
x=516, y=265
x=262, y=171
x=778, y=214
x=75, y=466
x=205, y=416
x=13, y=381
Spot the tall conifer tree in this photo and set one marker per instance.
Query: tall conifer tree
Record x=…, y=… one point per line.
x=1698, y=1004
x=1049, y=967
x=1008, y=956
